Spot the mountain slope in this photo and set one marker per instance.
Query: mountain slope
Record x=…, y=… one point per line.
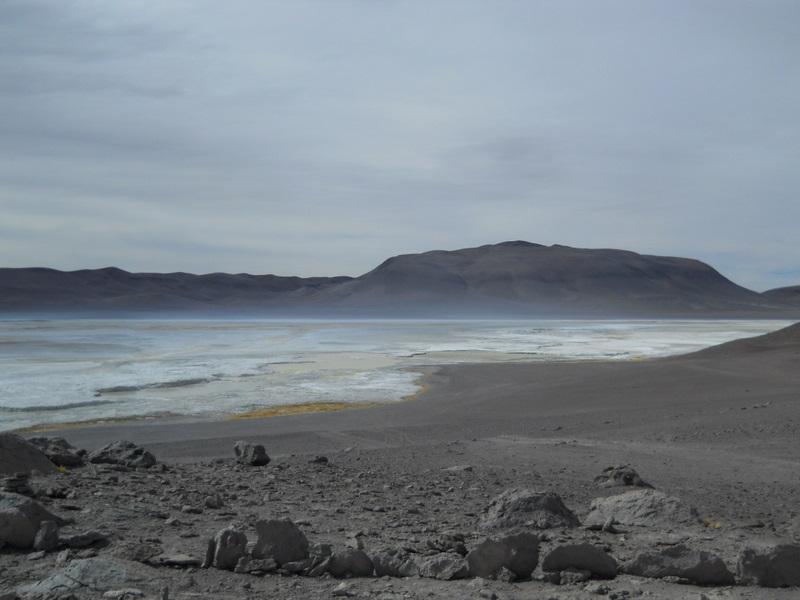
x=112, y=289
x=522, y=278
x=786, y=295
x=510, y=279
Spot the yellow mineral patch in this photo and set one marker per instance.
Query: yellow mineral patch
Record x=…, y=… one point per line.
x=299, y=409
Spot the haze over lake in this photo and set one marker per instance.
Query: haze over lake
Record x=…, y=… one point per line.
x=55, y=371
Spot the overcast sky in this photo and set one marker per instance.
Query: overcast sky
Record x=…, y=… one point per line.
x=319, y=138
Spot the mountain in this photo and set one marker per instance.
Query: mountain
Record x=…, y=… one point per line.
x=510, y=279
x=525, y=279
x=786, y=295
x=114, y=290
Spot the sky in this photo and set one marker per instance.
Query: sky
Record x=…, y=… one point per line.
x=319, y=138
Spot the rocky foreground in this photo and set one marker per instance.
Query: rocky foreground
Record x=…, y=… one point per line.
x=363, y=523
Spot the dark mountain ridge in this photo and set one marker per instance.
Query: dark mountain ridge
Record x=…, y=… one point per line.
x=786, y=295
x=509, y=279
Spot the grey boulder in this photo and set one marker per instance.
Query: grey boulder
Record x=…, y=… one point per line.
x=392, y=562
x=59, y=451
x=697, y=566
x=643, y=508
x=519, y=553
x=225, y=549
x=253, y=455
x=770, y=564
x=47, y=537
x=18, y=455
x=122, y=453
x=281, y=540
x=350, y=562
x=445, y=566
x=581, y=557
x=524, y=508
x=21, y=518
x=620, y=476
x=98, y=574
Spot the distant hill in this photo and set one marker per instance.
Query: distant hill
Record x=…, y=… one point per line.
x=510, y=279
x=525, y=279
x=786, y=295
x=115, y=290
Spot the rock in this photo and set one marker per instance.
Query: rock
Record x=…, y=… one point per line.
x=174, y=559
x=253, y=455
x=17, y=455
x=527, y=508
x=350, y=562
x=19, y=483
x=123, y=453
x=574, y=576
x=214, y=501
x=643, y=508
x=445, y=566
x=85, y=539
x=519, y=553
x=448, y=542
x=229, y=545
x=62, y=558
x=281, y=540
x=770, y=564
x=343, y=590
x=394, y=563
x=320, y=558
x=21, y=518
x=620, y=476
x=39, y=554
x=319, y=460
x=581, y=557
x=141, y=552
x=98, y=574
x=47, y=537
x=59, y=451
x=255, y=566
x=126, y=594
x=699, y=567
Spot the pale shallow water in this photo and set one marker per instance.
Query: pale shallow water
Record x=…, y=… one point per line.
x=71, y=370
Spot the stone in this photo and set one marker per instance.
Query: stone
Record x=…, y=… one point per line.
x=448, y=542
x=19, y=483
x=343, y=590
x=581, y=557
x=123, y=453
x=620, y=476
x=253, y=455
x=20, y=520
x=17, y=455
x=350, y=562
x=174, y=559
x=699, y=567
x=769, y=564
x=445, y=566
x=574, y=576
x=642, y=508
x=126, y=594
x=229, y=546
x=141, y=552
x=518, y=553
x=59, y=451
x=98, y=574
x=84, y=539
x=524, y=508
x=47, y=537
x=281, y=540
x=393, y=562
